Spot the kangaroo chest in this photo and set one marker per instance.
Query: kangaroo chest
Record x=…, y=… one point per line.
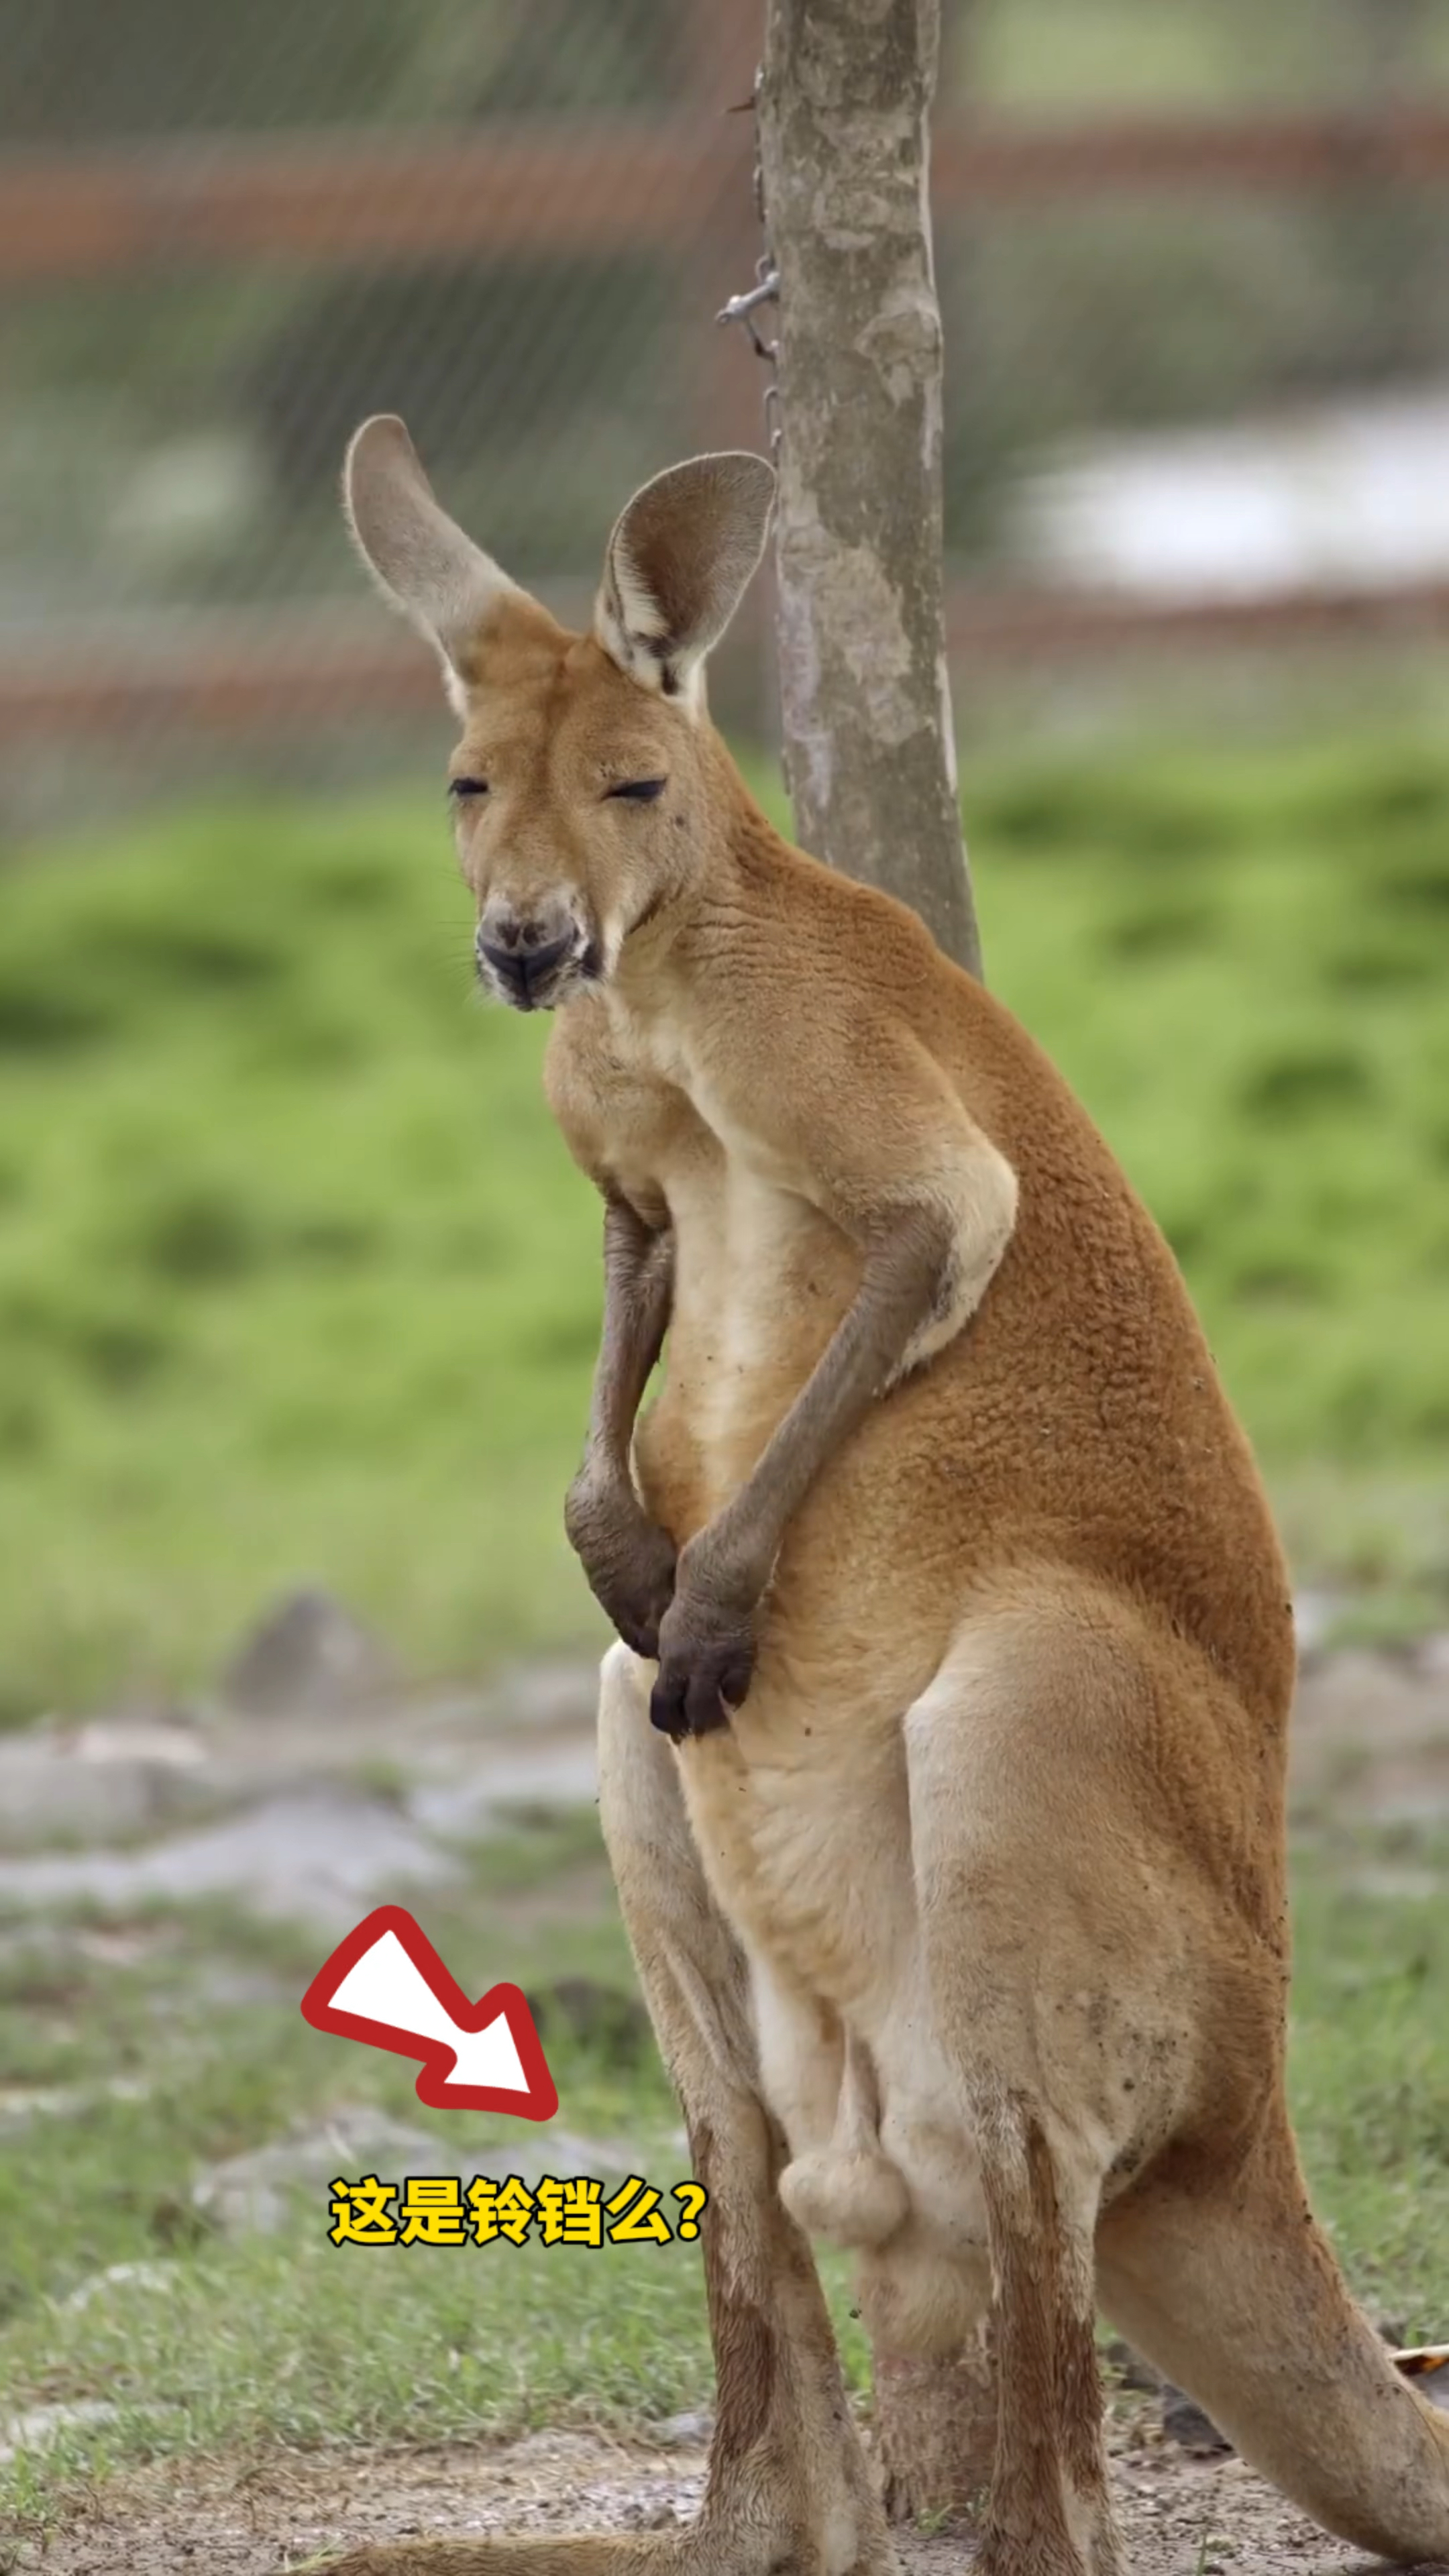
x=760, y=1279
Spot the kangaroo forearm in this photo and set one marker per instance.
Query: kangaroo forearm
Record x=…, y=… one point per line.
x=638, y=1288
x=906, y=1278
x=629, y=1562
x=706, y=1639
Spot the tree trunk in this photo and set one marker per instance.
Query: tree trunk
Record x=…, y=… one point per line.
x=870, y=756
x=869, y=751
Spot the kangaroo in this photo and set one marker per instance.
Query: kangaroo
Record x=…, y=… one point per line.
x=942, y=1744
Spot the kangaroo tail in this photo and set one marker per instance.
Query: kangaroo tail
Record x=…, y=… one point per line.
x=1235, y=2294
x=641, y=2553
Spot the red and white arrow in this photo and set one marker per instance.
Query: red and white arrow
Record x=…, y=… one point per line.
x=386, y=1985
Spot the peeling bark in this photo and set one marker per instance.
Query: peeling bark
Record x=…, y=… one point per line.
x=869, y=750
x=870, y=755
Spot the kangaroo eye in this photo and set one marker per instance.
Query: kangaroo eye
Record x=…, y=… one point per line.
x=461, y=787
x=641, y=791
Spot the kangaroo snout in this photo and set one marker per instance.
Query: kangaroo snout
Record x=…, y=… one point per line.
x=525, y=957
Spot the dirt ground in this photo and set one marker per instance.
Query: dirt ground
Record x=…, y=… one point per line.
x=1181, y=2516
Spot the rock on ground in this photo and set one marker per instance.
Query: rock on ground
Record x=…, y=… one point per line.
x=251, y=2192
x=309, y=1653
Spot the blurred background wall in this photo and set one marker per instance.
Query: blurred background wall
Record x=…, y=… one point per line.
x=1193, y=269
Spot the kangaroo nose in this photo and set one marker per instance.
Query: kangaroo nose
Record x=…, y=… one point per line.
x=506, y=932
x=522, y=953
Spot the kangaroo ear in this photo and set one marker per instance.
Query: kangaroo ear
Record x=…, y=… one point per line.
x=677, y=566
x=419, y=557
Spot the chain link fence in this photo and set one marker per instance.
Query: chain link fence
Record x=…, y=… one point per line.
x=225, y=237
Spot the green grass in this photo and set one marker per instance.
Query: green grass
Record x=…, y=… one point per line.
x=289, y=2340
x=1075, y=55
x=1119, y=56
x=1369, y=2059
x=296, y=1279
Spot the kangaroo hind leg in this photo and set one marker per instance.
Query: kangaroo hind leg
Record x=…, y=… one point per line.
x=1048, y=1975
x=789, y=2490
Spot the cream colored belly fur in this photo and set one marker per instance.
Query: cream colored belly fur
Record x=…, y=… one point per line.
x=812, y=1868
x=761, y=1280
x=809, y=1857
